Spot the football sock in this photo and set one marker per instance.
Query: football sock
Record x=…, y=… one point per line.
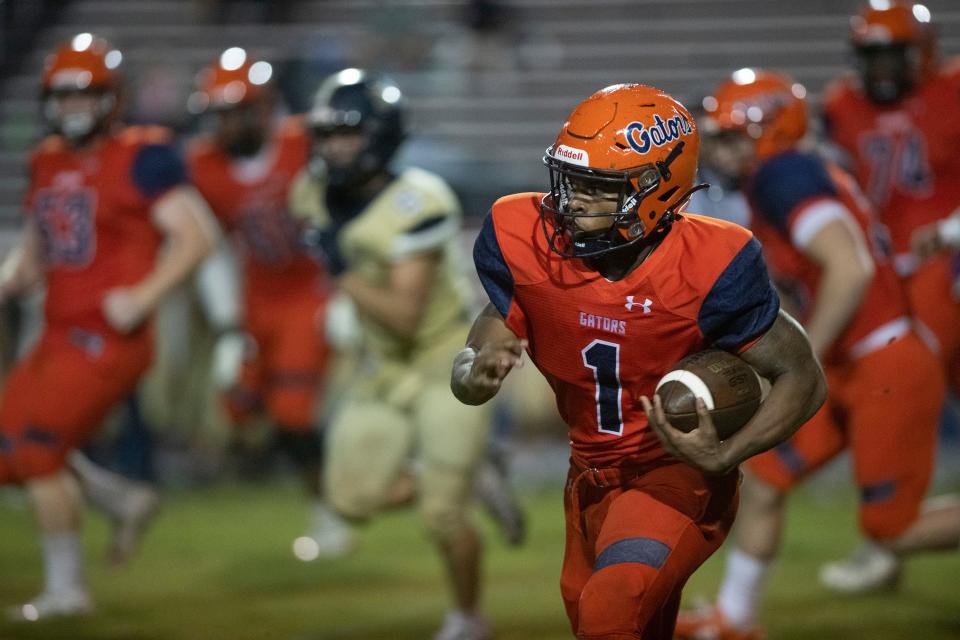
x=743, y=583
x=63, y=562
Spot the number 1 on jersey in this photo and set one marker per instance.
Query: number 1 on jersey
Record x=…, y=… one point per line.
x=604, y=359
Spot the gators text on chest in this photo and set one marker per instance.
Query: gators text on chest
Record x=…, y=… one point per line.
x=610, y=325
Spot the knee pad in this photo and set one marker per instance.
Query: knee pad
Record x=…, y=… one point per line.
x=444, y=522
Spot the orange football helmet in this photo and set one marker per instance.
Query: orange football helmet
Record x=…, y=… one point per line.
x=85, y=64
x=233, y=79
x=899, y=30
x=631, y=137
x=768, y=107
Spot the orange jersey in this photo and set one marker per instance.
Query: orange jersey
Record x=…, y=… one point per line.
x=250, y=199
x=904, y=154
x=792, y=196
x=92, y=209
x=602, y=344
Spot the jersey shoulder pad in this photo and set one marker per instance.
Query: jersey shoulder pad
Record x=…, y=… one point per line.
x=418, y=195
x=718, y=277
x=515, y=219
x=417, y=213
x=156, y=168
x=785, y=182
x=698, y=248
x=49, y=146
x=717, y=240
x=517, y=212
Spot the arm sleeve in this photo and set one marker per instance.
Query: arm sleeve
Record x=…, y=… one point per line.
x=742, y=304
x=787, y=182
x=495, y=275
x=156, y=168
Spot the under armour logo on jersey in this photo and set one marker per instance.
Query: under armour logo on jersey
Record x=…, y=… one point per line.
x=645, y=304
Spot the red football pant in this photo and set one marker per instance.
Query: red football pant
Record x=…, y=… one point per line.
x=57, y=397
x=634, y=537
x=932, y=303
x=885, y=407
x=285, y=377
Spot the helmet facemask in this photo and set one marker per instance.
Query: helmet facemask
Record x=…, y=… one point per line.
x=888, y=72
x=633, y=186
x=242, y=130
x=365, y=164
x=78, y=125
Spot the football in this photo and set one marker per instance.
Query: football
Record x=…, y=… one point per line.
x=728, y=385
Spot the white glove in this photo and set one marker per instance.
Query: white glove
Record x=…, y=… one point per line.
x=341, y=326
x=228, y=356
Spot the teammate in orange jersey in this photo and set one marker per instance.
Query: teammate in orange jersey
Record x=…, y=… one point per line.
x=606, y=283
x=886, y=387
x=898, y=120
x=111, y=227
x=244, y=170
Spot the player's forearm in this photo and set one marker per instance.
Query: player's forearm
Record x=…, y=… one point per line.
x=22, y=270
x=793, y=399
x=459, y=376
x=19, y=273
x=400, y=312
x=488, y=330
x=179, y=257
x=842, y=289
x=798, y=389
x=190, y=235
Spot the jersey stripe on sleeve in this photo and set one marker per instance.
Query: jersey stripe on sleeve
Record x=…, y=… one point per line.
x=742, y=304
x=495, y=275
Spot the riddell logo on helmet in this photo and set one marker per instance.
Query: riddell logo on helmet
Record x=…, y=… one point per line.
x=573, y=156
x=641, y=138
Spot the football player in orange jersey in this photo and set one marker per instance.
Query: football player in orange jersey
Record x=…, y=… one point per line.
x=886, y=387
x=898, y=122
x=111, y=227
x=562, y=271
x=244, y=169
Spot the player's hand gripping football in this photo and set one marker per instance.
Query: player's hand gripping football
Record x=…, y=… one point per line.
x=125, y=309
x=700, y=448
x=492, y=363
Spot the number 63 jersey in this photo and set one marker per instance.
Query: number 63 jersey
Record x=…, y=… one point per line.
x=602, y=344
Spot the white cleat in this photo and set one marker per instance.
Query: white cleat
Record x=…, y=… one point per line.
x=871, y=568
x=330, y=537
x=52, y=605
x=460, y=626
x=139, y=506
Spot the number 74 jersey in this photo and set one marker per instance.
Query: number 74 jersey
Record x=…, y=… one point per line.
x=602, y=344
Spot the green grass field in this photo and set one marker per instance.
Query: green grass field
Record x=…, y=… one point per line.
x=218, y=566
